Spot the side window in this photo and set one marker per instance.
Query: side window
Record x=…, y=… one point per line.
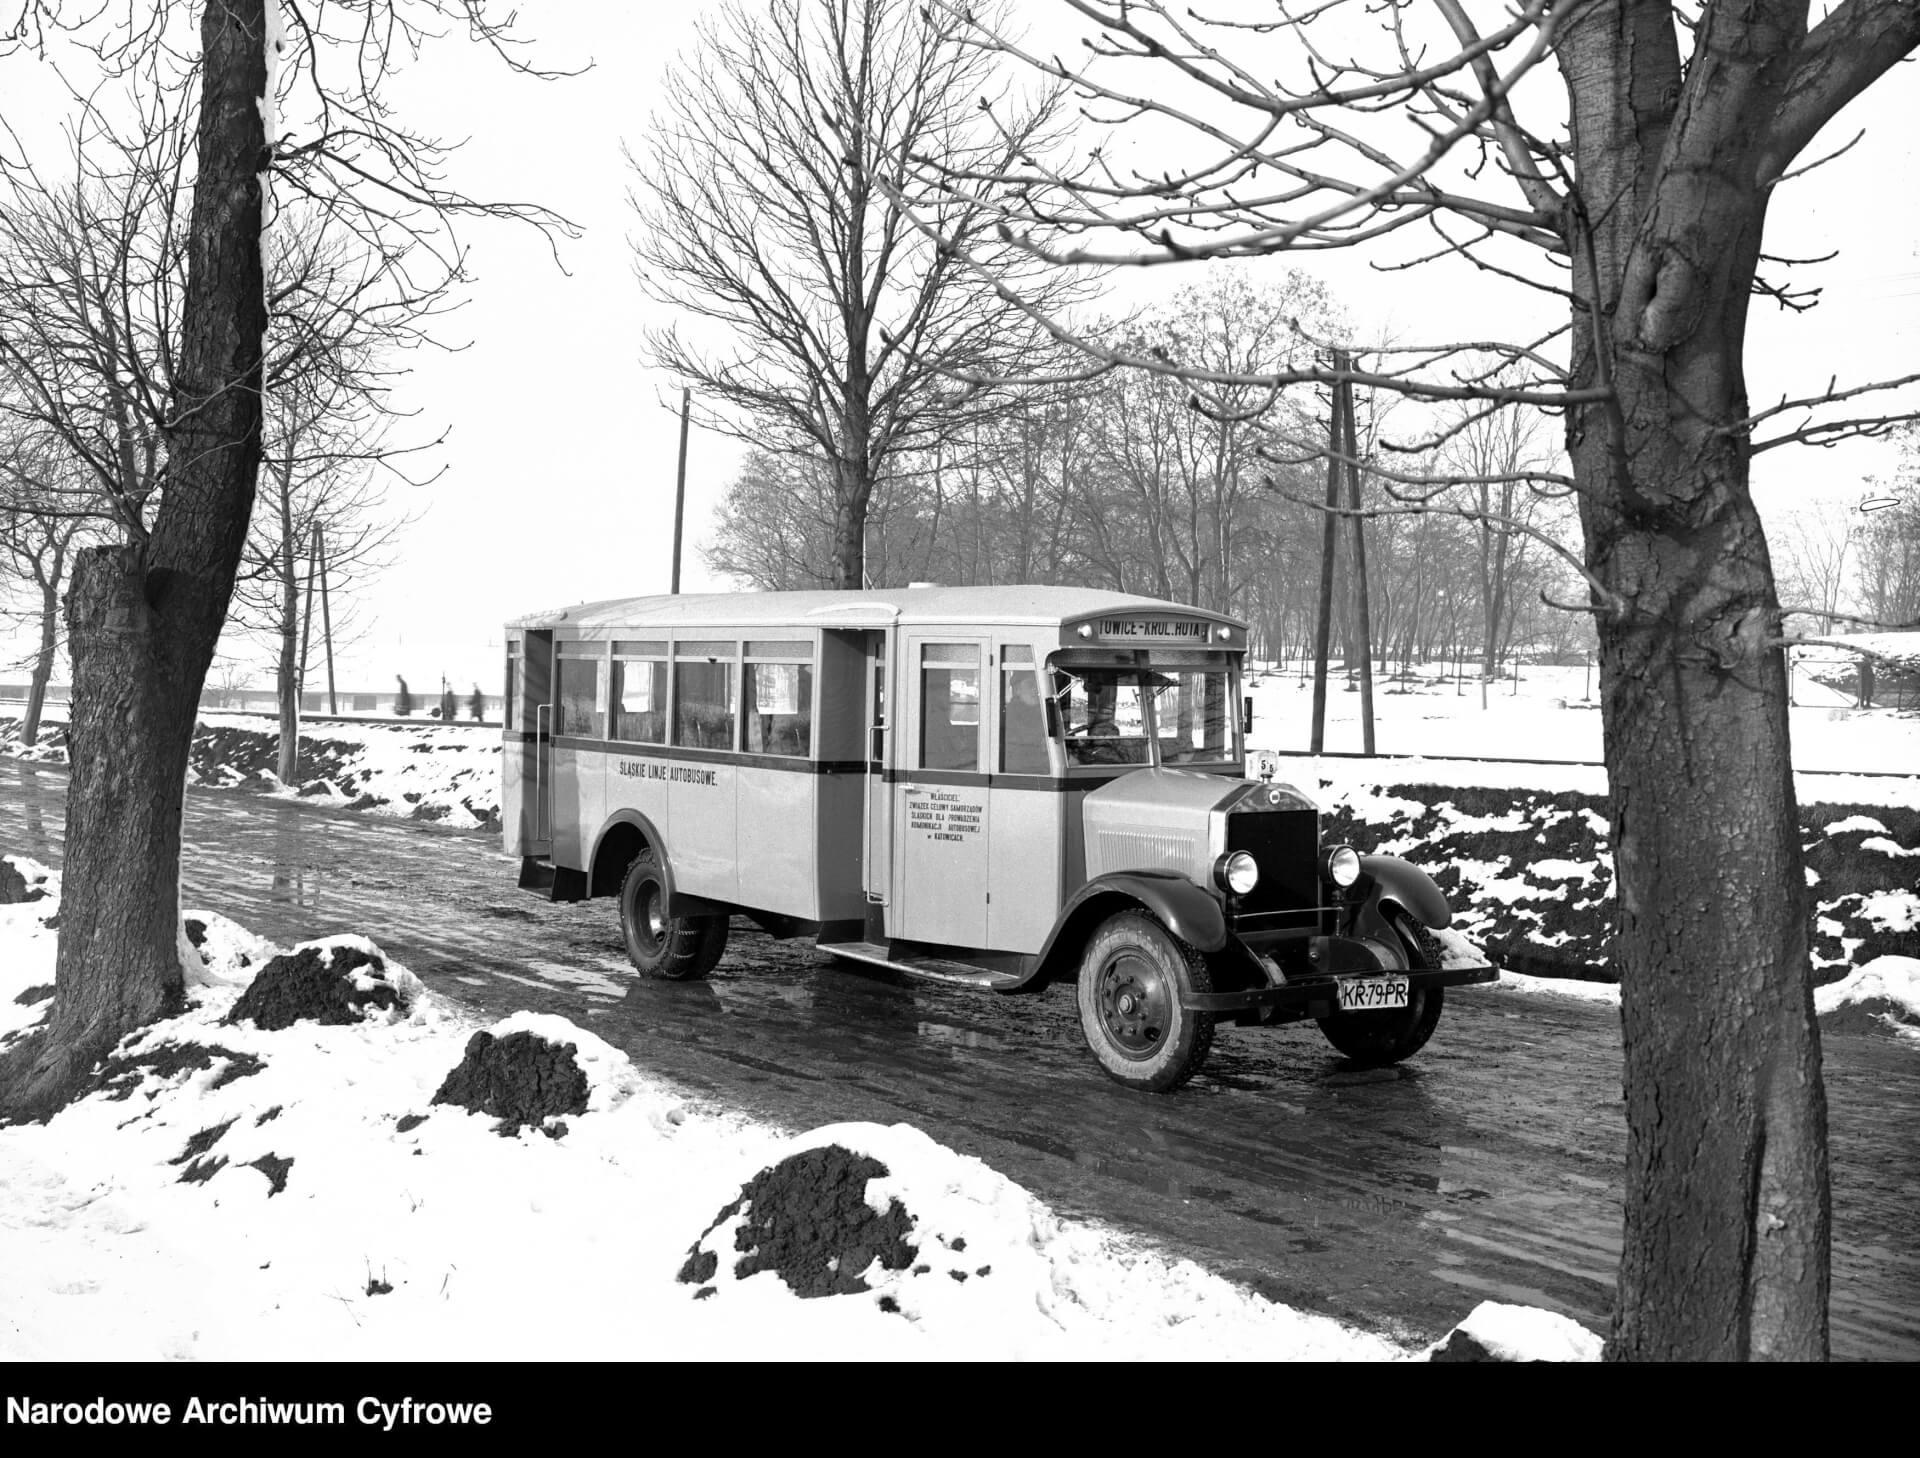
x=950, y=706
x=583, y=695
x=778, y=700
x=1023, y=724
x=704, y=697
x=640, y=701
x=510, y=710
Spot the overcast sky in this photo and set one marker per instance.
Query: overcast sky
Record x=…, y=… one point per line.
x=559, y=465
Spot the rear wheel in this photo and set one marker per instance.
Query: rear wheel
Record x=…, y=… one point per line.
x=678, y=948
x=1374, y=1039
x=1131, y=977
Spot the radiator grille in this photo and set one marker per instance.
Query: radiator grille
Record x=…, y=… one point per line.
x=1286, y=843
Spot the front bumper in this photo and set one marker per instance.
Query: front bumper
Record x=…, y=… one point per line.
x=1314, y=997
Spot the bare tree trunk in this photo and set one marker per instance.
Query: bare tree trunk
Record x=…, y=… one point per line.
x=142, y=620
x=1725, y=1251
x=42, y=673
x=853, y=488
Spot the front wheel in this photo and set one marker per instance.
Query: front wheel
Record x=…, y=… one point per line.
x=678, y=948
x=1375, y=1039
x=1131, y=977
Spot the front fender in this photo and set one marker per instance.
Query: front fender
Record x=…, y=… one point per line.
x=1401, y=881
x=1182, y=907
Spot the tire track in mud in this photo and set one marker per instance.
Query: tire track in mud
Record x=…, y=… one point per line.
x=1487, y=1168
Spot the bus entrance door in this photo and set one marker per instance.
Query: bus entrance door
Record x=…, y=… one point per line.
x=527, y=758
x=940, y=792
x=876, y=861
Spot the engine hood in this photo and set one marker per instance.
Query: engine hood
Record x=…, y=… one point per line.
x=1173, y=820
x=1149, y=794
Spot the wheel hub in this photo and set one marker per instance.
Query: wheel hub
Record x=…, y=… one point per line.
x=1135, y=1005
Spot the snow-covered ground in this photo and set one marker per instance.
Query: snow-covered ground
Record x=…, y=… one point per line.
x=445, y=773
x=1885, y=990
x=445, y=1239
x=1547, y=716
x=299, y=1195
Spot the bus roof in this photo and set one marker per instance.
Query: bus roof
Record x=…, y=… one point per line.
x=1023, y=604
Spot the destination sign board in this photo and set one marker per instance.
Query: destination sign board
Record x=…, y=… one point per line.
x=1153, y=630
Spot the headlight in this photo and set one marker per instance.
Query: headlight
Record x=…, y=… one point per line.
x=1343, y=865
x=1237, y=871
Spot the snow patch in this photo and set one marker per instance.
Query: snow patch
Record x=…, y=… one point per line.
x=1856, y=822
x=1529, y=1334
x=1576, y=988
x=1894, y=911
x=1886, y=847
x=1890, y=979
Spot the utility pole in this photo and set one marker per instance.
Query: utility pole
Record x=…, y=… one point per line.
x=680, y=488
x=306, y=623
x=1365, y=620
x=1323, y=621
x=326, y=619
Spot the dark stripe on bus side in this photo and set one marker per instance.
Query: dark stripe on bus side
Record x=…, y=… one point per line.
x=714, y=756
x=978, y=780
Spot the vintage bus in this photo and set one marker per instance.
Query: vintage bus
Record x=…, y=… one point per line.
x=1000, y=786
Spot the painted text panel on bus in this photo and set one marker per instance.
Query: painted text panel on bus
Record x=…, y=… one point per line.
x=940, y=802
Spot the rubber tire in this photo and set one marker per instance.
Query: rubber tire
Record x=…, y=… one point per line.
x=1374, y=1040
x=678, y=948
x=1132, y=952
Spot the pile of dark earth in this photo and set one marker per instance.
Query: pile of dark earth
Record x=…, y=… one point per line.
x=808, y=1220
x=316, y=984
x=520, y=1079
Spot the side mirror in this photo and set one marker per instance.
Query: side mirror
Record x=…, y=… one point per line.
x=1053, y=718
x=1246, y=715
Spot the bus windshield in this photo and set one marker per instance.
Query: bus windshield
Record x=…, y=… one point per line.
x=1133, y=715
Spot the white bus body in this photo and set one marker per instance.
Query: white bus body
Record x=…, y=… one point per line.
x=984, y=784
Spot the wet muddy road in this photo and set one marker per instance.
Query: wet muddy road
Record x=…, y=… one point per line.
x=1489, y=1167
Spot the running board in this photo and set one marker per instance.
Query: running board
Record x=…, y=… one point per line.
x=935, y=969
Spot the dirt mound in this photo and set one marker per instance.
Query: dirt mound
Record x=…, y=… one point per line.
x=807, y=1218
x=519, y=1079
x=14, y=887
x=316, y=984
x=228, y=754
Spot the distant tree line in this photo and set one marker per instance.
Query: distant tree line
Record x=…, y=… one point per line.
x=1122, y=482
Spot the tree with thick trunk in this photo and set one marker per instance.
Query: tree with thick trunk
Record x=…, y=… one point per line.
x=1644, y=219
x=144, y=617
